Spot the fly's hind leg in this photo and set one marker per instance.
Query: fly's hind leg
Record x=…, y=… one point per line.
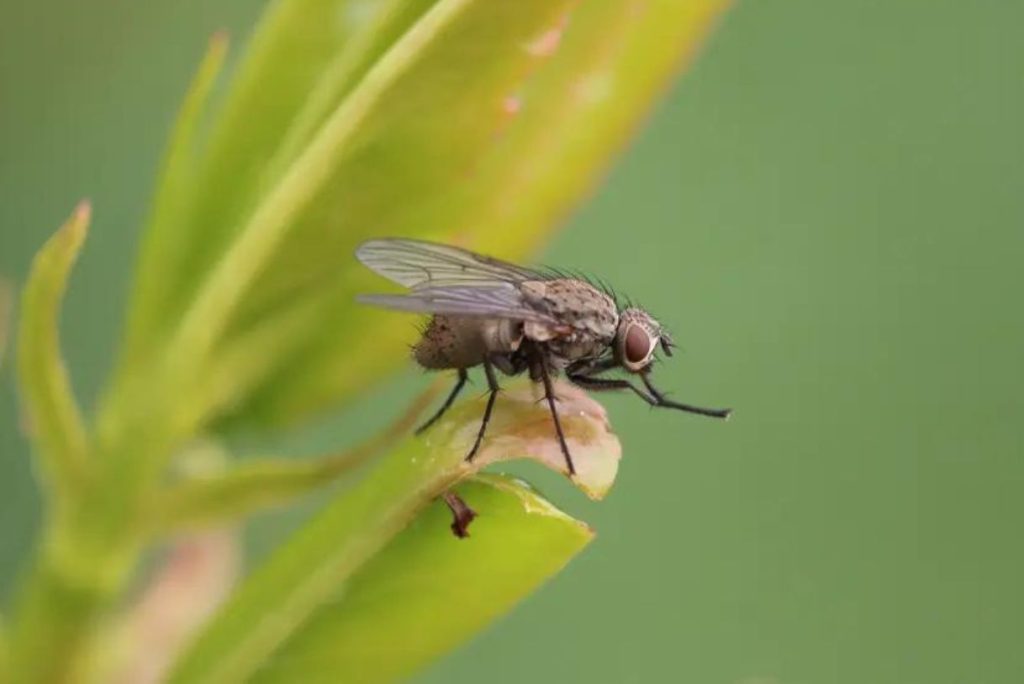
x=459, y=384
x=493, y=389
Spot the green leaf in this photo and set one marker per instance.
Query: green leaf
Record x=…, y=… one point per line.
x=215, y=496
x=305, y=55
x=250, y=486
x=430, y=591
x=54, y=420
x=142, y=397
x=172, y=201
x=285, y=595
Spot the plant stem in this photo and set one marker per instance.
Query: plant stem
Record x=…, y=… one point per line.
x=88, y=552
x=70, y=586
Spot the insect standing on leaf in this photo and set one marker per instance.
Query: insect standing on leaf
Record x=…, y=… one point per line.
x=513, y=319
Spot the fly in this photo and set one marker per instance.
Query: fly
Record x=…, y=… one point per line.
x=507, y=318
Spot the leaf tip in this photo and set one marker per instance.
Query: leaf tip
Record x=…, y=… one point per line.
x=83, y=210
x=534, y=503
x=523, y=428
x=219, y=42
x=77, y=225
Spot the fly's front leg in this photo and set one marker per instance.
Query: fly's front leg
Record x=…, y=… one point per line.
x=588, y=378
x=493, y=388
x=662, y=400
x=602, y=384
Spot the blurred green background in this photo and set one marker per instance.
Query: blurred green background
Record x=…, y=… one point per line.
x=828, y=212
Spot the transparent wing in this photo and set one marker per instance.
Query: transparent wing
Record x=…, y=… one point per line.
x=417, y=264
x=500, y=301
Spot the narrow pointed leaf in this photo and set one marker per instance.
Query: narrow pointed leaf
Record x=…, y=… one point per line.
x=428, y=591
x=217, y=496
x=52, y=414
x=248, y=487
x=303, y=57
x=172, y=202
x=280, y=598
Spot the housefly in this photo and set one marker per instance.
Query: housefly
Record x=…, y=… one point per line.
x=507, y=318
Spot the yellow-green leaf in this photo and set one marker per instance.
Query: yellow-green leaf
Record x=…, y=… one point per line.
x=51, y=413
x=172, y=204
x=222, y=495
x=429, y=591
x=304, y=56
x=303, y=578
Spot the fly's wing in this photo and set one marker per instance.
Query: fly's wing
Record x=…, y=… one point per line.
x=417, y=264
x=498, y=301
x=448, y=280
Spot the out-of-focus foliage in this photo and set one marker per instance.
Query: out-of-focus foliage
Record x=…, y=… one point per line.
x=53, y=418
x=470, y=122
x=474, y=122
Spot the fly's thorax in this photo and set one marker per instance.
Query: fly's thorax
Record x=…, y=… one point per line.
x=465, y=341
x=583, y=314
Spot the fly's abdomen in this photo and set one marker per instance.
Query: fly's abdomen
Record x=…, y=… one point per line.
x=465, y=341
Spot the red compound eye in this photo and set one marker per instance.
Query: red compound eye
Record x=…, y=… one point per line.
x=638, y=344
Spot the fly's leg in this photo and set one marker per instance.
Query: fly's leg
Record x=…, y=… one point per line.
x=462, y=514
x=662, y=400
x=602, y=384
x=655, y=398
x=549, y=394
x=459, y=384
x=492, y=387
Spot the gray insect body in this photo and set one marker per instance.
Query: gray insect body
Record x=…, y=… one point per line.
x=495, y=314
x=586, y=328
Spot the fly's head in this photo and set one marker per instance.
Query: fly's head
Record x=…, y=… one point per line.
x=637, y=338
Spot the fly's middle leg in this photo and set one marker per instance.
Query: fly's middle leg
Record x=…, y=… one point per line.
x=493, y=388
x=549, y=394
